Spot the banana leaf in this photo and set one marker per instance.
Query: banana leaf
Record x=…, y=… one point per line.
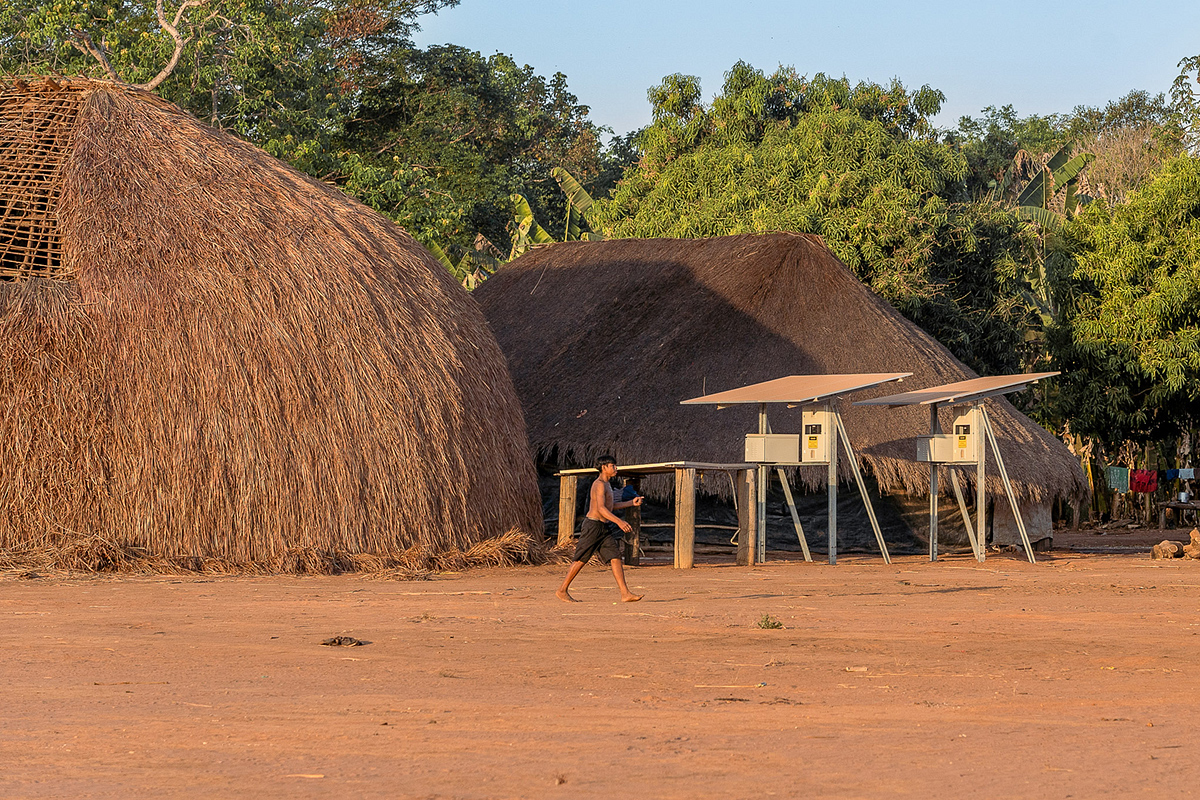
x=441, y=256
x=526, y=231
x=1042, y=216
x=1070, y=170
x=576, y=196
x=1036, y=192
x=1071, y=199
x=571, y=229
x=1058, y=159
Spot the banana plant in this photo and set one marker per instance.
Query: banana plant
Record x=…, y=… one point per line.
x=473, y=268
x=526, y=232
x=579, y=202
x=478, y=264
x=1061, y=172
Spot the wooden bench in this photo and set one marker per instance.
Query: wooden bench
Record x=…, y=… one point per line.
x=1181, y=510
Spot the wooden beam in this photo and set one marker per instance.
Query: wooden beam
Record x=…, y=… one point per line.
x=745, y=512
x=566, y=508
x=685, y=518
x=747, y=487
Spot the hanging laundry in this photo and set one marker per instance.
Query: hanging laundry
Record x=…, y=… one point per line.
x=1144, y=480
x=1117, y=478
x=1172, y=474
x=1187, y=474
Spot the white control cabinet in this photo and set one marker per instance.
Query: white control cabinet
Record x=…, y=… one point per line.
x=964, y=446
x=818, y=439
x=773, y=448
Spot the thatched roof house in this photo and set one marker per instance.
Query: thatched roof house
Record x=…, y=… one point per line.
x=604, y=339
x=206, y=354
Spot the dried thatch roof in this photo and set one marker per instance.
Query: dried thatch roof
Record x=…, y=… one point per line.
x=204, y=353
x=605, y=338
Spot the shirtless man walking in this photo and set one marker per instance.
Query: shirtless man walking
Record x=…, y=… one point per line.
x=594, y=536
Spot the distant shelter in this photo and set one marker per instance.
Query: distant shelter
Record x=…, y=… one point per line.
x=603, y=340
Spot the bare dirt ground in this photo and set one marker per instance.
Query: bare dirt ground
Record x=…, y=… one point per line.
x=1075, y=677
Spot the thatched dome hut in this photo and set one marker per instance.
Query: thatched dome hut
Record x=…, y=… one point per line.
x=206, y=355
x=604, y=339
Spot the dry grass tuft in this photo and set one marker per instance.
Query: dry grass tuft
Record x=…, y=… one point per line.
x=96, y=554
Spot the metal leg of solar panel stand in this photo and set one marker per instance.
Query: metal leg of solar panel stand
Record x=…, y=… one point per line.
x=934, y=429
x=787, y=492
x=763, y=474
x=832, y=492
x=1012, y=498
x=981, y=496
x=962, y=509
x=862, y=486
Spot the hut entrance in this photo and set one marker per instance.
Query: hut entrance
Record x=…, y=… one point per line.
x=35, y=131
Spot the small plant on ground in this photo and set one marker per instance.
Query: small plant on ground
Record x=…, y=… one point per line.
x=769, y=623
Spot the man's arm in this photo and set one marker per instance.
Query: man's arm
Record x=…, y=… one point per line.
x=637, y=501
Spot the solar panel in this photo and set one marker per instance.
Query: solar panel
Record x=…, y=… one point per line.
x=960, y=392
x=797, y=389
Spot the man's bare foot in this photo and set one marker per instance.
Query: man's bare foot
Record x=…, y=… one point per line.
x=565, y=596
x=631, y=598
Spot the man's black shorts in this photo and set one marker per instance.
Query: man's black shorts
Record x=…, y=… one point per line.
x=595, y=537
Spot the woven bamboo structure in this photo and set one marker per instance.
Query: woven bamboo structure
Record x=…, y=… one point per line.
x=604, y=339
x=205, y=355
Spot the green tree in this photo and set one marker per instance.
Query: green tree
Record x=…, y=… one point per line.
x=1129, y=343
x=990, y=145
x=859, y=165
x=439, y=139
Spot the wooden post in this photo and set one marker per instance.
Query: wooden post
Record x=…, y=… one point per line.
x=566, y=508
x=685, y=517
x=747, y=508
x=633, y=539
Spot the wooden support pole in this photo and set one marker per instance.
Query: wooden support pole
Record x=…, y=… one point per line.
x=747, y=485
x=567, y=485
x=685, y=517
x=633, y=539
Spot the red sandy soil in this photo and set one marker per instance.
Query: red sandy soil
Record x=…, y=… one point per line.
x=1074, y=677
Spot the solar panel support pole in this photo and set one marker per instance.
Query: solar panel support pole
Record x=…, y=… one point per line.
x=1012, y=498
x=787, y=492
x=832, y=491
x=759, y=554
x=981, y=496
x=862, y=486
x=935, y=428
x=966, y=517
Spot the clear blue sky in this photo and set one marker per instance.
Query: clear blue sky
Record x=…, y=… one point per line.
x=1042, y=57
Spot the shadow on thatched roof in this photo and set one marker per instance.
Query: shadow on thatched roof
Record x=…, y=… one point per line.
x=604, y=339
x=204, y=353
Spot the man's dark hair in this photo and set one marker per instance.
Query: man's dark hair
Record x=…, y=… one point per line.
x=605, y=459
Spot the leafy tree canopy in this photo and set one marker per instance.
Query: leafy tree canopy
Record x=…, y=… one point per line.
x=1130, y=340
x=440, y=138
x=990, y=143
x=859, y=165
x=437, y=138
